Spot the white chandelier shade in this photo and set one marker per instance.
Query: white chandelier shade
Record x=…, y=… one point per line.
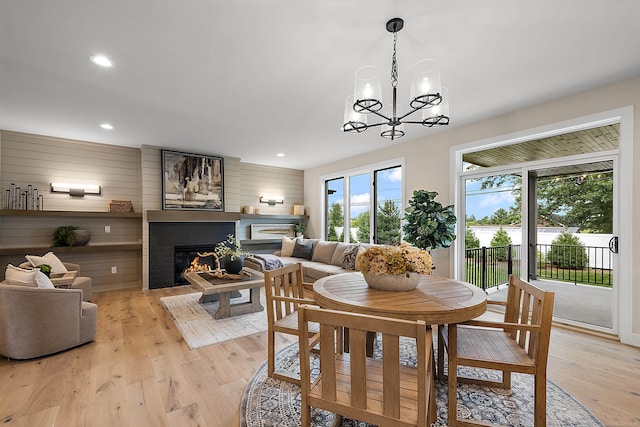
x=368, y=91
x=426, y=95
x=425, y=85
x=437, y=115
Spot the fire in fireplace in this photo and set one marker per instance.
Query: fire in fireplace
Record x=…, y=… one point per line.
x=186, y=259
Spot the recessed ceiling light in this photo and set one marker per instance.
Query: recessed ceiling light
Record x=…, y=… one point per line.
x=101, y=60
x=280, y=154
x=106, y=126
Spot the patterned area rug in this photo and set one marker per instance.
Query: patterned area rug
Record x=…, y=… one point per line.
x=198, y=327
x=268, y=402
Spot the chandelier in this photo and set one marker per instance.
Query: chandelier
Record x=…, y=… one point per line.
x=426, y=96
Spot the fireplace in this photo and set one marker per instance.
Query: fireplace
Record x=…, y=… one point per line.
x=187, y=258
x=167, y=237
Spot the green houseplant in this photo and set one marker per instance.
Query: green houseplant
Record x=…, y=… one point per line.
x=428, y=224
x=64, y=236
x=231, y=254
x=70, y=235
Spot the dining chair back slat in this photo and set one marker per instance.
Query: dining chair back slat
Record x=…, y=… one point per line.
x=518, y=344
x=378, y=391
x=284, y=292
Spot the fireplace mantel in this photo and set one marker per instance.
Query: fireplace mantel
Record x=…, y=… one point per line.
x=191, y=216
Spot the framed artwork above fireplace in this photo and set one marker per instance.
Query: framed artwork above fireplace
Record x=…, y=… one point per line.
x=192, y=181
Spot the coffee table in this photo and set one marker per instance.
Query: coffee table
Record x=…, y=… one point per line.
x=223, y=288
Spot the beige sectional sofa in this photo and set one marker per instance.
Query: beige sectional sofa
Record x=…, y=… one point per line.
x=327, y=258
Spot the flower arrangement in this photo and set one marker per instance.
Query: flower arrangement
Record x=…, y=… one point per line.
x=398, y=259
x=230, y=248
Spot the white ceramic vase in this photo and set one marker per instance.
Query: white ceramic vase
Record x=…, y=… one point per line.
x=392, y=282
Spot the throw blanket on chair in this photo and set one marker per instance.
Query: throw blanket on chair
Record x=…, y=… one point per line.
x=268, y=261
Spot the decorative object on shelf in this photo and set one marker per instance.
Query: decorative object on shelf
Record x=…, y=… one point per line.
x=394, y=268
x=81, y=237
x=298, y=209
x=70, y=235
x=75, y=190
x=192, y=181
x=272, y=231
x=428, y=224
x=120, y=206
x=17, y=198
x=272, y=200
x=426, y=95
x=257, y=211
x=300, y=228
x=231, y=253
x=247, y=210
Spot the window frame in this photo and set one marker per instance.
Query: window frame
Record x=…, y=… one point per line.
x=369, y=169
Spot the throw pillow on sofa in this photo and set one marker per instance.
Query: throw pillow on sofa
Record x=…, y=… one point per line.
x=49, y=258
x=302, y=250
x=349, y=257
x=42, y=280
x=19, y=276
x=323, y=251
x=33, y=278
x=287, y=246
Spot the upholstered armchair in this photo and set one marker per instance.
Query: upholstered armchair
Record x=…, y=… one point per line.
x=39, y=321
x=79, y=282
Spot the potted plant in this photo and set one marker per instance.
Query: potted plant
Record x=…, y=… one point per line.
x=299, y=228
x=70, y=235
x=231, y=254
x=63, y=235
x=394, y=268
x=428, y=224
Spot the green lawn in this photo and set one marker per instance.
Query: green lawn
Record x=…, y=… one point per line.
x=497, y=274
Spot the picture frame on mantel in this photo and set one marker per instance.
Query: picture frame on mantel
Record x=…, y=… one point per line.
x=192, y=181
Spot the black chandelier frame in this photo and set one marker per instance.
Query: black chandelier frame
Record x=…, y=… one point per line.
x=374, y=106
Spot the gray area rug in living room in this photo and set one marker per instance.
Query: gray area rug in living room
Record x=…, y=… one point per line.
x=198, y=327
x=268, y=402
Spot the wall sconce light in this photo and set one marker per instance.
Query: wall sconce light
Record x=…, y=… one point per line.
x=272, y=200
x=77, y=190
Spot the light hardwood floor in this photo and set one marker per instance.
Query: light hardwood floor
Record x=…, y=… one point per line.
x=139, y=372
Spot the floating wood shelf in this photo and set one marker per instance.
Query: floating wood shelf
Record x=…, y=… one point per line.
x=106, y=247
x=69, y=214
x=190, y=216
x=269, y=217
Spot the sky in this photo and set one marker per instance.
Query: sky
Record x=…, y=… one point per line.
x=481, y=203
x=389, y=187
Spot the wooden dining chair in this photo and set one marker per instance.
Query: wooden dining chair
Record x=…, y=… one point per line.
x=378, y=391
x=518, y=344
x=284, y=292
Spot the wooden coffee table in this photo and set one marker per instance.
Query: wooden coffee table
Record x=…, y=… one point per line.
x=223, y=288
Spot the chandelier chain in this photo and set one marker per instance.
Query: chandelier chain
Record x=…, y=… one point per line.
x=394, y=63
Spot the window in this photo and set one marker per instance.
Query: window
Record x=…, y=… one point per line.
x=335, y=208
x=350, y=201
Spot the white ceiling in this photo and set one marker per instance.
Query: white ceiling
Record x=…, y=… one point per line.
x=251, y=78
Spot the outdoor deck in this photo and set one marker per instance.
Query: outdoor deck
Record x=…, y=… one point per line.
x=586, y=304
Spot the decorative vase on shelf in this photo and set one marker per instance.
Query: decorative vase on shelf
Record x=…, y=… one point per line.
x=81, y=237
x=233, y=266
x=392, y=282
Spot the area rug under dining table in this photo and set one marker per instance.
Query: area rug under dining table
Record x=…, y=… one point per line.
x=268, y=402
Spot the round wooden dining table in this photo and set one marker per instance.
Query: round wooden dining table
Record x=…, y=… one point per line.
x=436, y=300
